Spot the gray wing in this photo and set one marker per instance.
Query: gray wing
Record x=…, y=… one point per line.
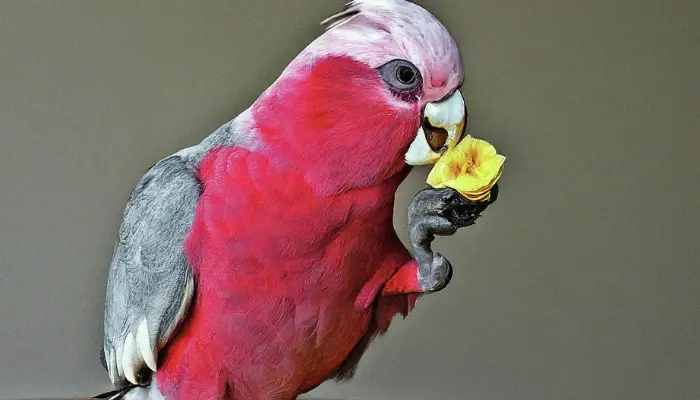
x=150, y=284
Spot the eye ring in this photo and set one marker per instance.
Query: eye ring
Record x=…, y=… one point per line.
x=402, y=77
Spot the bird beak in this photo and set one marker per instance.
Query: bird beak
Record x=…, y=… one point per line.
x=442, y=128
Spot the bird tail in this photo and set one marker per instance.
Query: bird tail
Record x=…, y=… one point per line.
x=116, y=394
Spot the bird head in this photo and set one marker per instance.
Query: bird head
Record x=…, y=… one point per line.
x=376, y=93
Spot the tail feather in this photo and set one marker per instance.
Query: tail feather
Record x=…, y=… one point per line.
x=115, y=394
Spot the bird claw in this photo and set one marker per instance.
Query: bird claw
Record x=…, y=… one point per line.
x=440, y=212
x=436, y=276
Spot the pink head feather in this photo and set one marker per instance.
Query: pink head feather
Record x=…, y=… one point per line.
x=330, y=101
x=377, y=31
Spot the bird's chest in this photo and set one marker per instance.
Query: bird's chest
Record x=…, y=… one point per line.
x=262, y=237
x=258, y=227
x=278, y=270
x=308, y=250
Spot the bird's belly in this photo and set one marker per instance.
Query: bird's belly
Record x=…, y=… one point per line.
x=279, y=329
x=278, y=269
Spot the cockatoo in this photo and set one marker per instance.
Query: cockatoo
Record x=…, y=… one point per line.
x=262, y=261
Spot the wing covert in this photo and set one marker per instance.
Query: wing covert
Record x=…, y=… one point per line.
x=150, y=284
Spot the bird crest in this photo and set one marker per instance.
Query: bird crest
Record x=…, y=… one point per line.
x=355, y=7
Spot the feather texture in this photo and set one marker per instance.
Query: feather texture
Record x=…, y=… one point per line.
x=282, y=220
x=150, y=282
x=355, y=7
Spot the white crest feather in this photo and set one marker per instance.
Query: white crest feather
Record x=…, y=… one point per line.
x=353, y=8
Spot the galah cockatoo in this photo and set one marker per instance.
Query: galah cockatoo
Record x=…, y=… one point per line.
x=263, y=261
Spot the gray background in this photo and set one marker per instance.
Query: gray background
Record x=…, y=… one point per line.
x=581, y=282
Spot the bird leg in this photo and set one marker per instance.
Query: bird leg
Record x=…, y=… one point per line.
x=433, y=212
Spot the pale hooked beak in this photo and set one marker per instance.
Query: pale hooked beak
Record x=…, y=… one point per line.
x=442, y=128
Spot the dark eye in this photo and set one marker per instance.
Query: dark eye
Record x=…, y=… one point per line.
x=401, y=76
x=405, y=75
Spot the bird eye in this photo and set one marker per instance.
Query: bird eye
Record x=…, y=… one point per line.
x=401, y=76
x=405, y=75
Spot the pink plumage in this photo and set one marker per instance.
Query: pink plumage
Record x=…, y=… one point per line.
x=292, y=241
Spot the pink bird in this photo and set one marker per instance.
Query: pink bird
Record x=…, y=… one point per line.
x=263, y=261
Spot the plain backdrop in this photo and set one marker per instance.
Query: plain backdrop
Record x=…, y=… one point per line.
x=581, y=282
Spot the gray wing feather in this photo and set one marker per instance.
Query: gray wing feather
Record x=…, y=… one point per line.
x=150, y=284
